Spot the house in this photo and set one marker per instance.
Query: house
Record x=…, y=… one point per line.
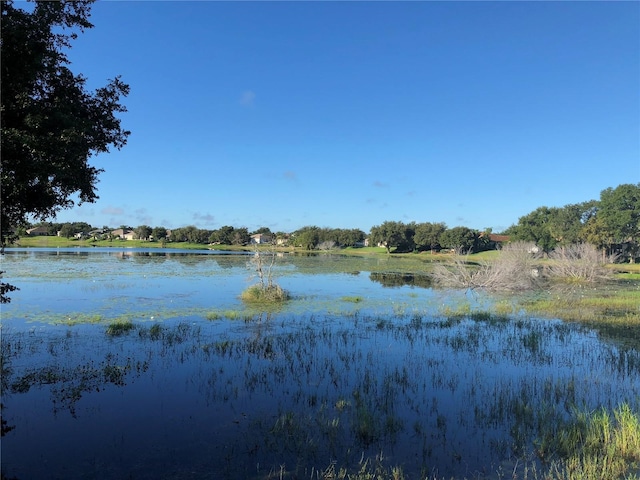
x=260, y=238
x=38, y=231
x=499, y=238
x=97, y=233
x=496, y=241
x=123, y=234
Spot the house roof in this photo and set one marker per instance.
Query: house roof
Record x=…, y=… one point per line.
x=499, y=238
x=39, y=229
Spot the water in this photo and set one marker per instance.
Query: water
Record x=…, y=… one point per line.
x=204, y=387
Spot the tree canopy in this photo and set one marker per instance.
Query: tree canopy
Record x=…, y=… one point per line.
x=51, y=124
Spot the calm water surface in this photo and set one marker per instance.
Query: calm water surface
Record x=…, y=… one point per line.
x=204, y=387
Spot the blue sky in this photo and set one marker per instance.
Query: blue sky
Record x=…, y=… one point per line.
x=347, y=114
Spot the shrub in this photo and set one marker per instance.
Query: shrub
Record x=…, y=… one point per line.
x=263, y=293
x=578, y=263
x=512, y=270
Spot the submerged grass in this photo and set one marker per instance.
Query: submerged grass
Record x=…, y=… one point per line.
x=615, y=313
x=120, y=327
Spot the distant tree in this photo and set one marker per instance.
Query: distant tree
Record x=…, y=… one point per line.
x=159, y=233
x=81, y=227
x=460, y=238
x=427, y=236
x=596, y=233
x=201, y=236
x=185, y=234
x=534, y=227
x=565, y=224
x=392, y=234
x=350, y=237
x=307, y=237
x=240, y=236
x=619, y=211
x=143, y=232
x=264, y=230
x=223, y=235
x=66, y=230
x=51, y=125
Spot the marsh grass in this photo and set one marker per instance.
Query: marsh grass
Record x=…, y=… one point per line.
x=362, y=400
x=120, y=327
x=79, y=319
x=352, y=299
x=598, y=445
x=613, y=313
x=264, y=294
x=228, y=314
x=154, y=332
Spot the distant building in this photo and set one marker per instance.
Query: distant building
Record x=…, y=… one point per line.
x=499, y=238
x=260, y=238
x=123, y=234
x=38, y=231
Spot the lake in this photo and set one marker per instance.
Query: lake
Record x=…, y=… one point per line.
x=365, y=362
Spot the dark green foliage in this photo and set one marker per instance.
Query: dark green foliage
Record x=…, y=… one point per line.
x=392, y=234
x=307, y=237
x=51, y=125
x=619, y=212
x=159, y=233
x=460, y=238
x=427, y=235
x=143, y=232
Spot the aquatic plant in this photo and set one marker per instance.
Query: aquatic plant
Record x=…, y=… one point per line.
x=120, y=327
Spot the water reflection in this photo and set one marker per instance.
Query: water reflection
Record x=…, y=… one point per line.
x=201, y=386
x=393, y=279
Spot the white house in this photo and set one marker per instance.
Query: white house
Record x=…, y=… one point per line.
x=260, y=238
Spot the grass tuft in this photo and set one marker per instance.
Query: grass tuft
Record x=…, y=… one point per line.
x=120, y=327
x=352, y=299
x=265, y=294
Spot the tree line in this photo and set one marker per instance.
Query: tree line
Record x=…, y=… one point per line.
x=611, y=223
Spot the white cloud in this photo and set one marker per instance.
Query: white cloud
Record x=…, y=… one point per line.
x=247, y=98
x=203, y=218
x=112, y=211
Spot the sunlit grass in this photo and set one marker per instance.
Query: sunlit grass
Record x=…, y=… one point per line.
x=78, y=319
x=120, y=327
x=228, y=314
x=598, y=445
x=352, y=299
